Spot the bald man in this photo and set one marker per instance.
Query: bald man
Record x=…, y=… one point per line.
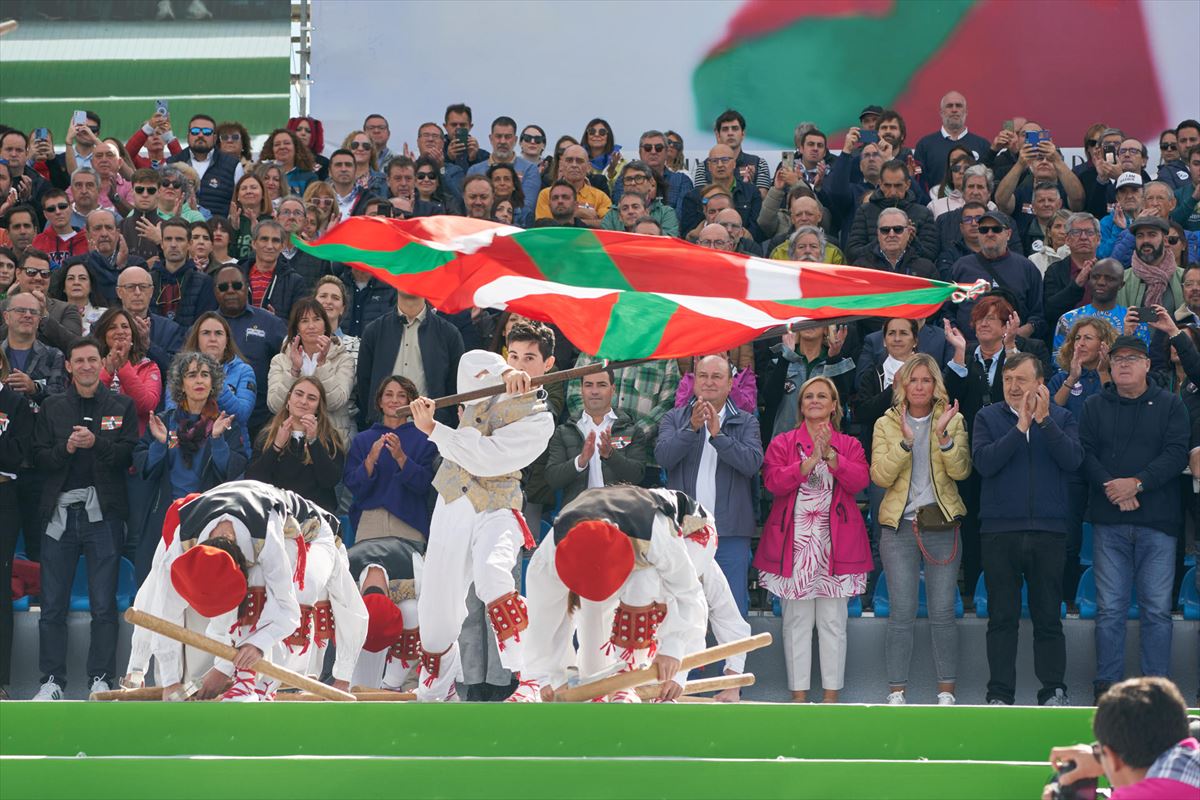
x=135, y=288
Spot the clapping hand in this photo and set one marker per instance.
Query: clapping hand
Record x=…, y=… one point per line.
x=392, y=442
x=605, y=443
x=589, y=448
x=943, y=420
x=158, y=428
x=221, y=424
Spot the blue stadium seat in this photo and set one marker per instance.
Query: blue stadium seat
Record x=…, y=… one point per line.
x=347, y=531
x=524, y=572
x=1085, y=545
x=546, y=527
x=21, y=604
x=1189, y=596
x=776, y=606
x=126, y=586
x=1085, y=597
x=883, y=605
x=854, y=608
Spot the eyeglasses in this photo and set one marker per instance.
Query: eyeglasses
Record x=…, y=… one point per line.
x=200, y=131
x=1168, y=145
x=1078, y=234
x=973, y=219
x=1090, y=142
x=93, y=128
x=360, y=145
x=990, y=228
x=236, y=286
x=1126, y=359
x=675, y=144
x=1172, y=240
x=151, y=190
x=137, y=287
x=897, y=229
x=426, y=176
x=324, y=202
x=34, y=272
x=714, y=243
x=231, y=137
x=597, y=132
x=533, y=138
x=57, y=207
x=376, y=128
x=289, y=212
x=168, y=184
x=1129, y=151
x=653, y=148
x=634, y=180
x=720, y=159
x=26, y=312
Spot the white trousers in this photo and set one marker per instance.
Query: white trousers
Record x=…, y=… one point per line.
x=465, y=546
x=829, y=615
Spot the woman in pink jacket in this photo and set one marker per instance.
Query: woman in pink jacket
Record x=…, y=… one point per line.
x=126, y=368
x=814, y=553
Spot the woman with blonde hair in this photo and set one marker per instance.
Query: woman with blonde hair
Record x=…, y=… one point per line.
x=299, y=449
x=918, y=450
x=814, y=553
x=1083, y=363
x=320, y=196
x=366, y=166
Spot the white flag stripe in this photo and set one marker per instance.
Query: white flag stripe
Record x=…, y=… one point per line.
x=770, y=280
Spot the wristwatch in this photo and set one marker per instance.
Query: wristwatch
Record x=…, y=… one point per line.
x=1141, y=487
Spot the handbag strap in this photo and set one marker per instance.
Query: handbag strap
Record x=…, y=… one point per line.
x=925, y=553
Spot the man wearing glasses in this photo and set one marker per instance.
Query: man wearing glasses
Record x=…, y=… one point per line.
x=652, y=147
x=504, y=139
x=1135, y=442
x=218, y=172
x=135, y=289
x=1065, y=285
x=140, y=226
x=1003, y=269
x=1131, y=156
x=722, y=165
x=58, y=322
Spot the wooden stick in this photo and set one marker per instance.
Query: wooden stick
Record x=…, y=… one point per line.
x=142, y=694
x=638, y=677
x=692, y=699
x=369, y=696
x=201, y=642
x=652, y=690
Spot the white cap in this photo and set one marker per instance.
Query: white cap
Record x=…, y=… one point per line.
x=1129, y=179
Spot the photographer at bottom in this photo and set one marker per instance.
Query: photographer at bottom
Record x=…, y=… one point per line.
x=1142, y=746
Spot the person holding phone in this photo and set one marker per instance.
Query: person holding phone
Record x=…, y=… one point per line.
x=919, y=450
x=157, y=137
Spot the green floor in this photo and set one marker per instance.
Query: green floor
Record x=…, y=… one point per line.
x=302, y=750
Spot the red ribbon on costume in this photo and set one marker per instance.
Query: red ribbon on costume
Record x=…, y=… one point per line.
x=529, y=543
x=701, y=536
x=301, y=561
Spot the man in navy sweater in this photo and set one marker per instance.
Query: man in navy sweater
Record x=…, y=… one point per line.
x=1025, y=448
x=1135, y=443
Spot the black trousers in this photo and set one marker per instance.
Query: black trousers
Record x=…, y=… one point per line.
x=1037, y=557
x=9, y=510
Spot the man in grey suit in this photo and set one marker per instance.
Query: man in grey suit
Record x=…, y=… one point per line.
x=59, y=322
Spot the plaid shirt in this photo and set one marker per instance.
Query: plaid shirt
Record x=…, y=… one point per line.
x=645, y=392
x=1180, y=763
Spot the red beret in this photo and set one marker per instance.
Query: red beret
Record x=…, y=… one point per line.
x=385, y=623
x=171, y=520
x=209, y=580
x=594, y=559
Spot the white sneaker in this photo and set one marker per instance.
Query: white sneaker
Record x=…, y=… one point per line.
x=527, y=692
x=164, y=10
x=243, y=689
x=896, y=699
x=994, y=702
x=624, y=696
x=50, y=691
x=99, y=685
x=946, y=699
x=197, y=10
x=1059, y=699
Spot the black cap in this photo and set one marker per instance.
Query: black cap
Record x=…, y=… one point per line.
x=998, y=216
x=1129, y=343
x=869, y=110
x=1158, y=223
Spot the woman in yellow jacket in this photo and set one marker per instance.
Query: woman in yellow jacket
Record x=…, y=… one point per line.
x=919, y=449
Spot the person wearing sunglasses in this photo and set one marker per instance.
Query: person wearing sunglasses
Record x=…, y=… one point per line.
x=58, y=322
x=894, y=233
x=1173, y=146
x=60, y=240
x=503, y=137
x=533, y=144
x=603, y=153
x=366, y=164
x=218, y=172
x=654, y=154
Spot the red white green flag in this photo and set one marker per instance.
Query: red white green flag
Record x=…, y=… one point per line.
x=613, y=294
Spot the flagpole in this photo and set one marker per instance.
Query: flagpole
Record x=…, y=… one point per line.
x=603, y=364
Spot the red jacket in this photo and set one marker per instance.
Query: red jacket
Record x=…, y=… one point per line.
x=59, y=251
x=142, y=382
x=138, y=141
x=850, y=550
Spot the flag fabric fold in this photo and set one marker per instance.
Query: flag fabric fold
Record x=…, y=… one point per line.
x=618, y=295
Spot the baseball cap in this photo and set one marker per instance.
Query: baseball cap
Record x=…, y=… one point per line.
x=1129, y=343
x=870, y=111
x=1129, y=179
x=998, y=216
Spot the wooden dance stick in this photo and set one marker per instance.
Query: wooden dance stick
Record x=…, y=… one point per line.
x=653, y=690
x=367, y=696
x=201, y=642
x=144, y=693
x=639, y=677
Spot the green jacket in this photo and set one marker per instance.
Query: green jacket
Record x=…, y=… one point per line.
x=1134, y=291
x=626, y=463
x=661, y=213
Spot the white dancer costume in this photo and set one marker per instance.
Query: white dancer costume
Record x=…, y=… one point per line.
x=620, y=549
x=477, y=531
x=261, y=609
x=391, y=651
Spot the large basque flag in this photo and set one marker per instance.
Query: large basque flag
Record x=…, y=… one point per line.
x=613, y=294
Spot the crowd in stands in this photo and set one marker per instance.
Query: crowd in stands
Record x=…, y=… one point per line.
x=162, y=333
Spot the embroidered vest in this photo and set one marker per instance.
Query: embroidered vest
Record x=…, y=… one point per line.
x=496, y=492
x=393, y=554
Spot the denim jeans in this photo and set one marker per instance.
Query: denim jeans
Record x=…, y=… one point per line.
x=99, y=543
x=1037, y=558
x=733, y=557
x=1126, y=556
x=902, y=562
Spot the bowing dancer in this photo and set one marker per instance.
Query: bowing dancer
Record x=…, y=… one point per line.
x=388, y=569
x=616, y=557
x=477, y=530
x=228, y=560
